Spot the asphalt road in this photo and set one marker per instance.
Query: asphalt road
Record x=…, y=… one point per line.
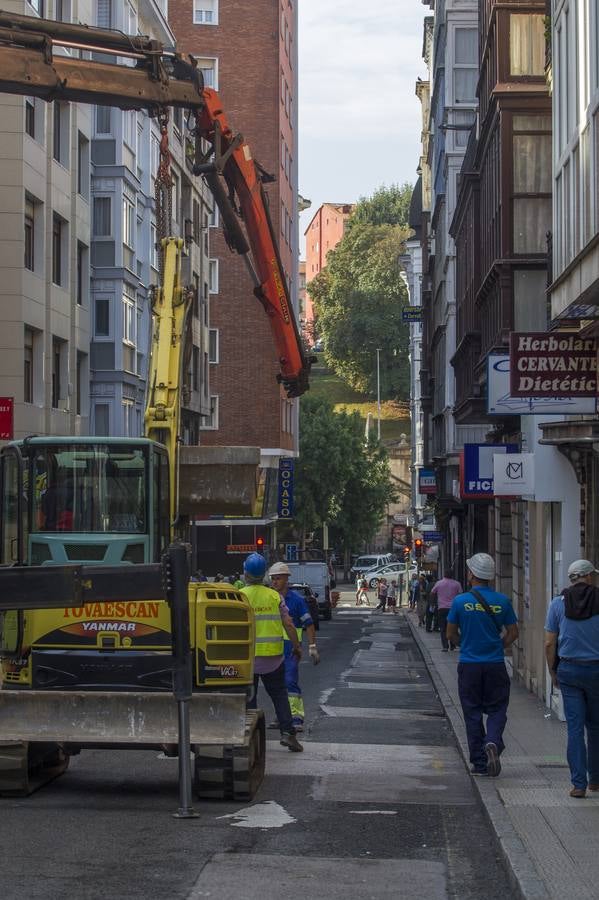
x=378, y=806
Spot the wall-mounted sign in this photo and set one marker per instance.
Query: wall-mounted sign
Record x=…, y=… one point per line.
x=433, y=537
x=427, y=481
x=501, y=403
x=240, y=548
x=513, y=474
x=6, y=418
x=476, y=469
x=579, y=311
x=285, y=497
x=291, y=552
x=552, y=364
x=412, y=314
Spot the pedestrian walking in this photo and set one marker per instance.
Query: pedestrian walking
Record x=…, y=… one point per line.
x=272, y=623
x=445, y=590
x=414, y=591
x=484, y=623
x=300, y=616
x=572, y=653
x=383, y=590
x=392, y=597
x=431, y=621
x=422, y=602
x=361, y=590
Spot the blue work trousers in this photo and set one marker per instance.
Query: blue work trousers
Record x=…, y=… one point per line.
x=484, y=689
x=274, y=683
x=292, y=684
x=579, y=684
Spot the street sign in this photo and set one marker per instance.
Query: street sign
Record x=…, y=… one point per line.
x=427, y=481
x=291, y=552
x=412, y=314
x=501, y=403
x=6, y=418
x=433, y=537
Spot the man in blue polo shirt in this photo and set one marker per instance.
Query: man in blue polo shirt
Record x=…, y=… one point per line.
x=484, y=623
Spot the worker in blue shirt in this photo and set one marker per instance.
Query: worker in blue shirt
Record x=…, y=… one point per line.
x=279, y=574
x=484, y=624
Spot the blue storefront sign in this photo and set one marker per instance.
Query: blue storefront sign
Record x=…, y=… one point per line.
x=412, y=314
x=285, y=498
x=433, y=537
x=477, y=469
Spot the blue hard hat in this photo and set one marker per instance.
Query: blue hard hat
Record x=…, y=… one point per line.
x=255, y=565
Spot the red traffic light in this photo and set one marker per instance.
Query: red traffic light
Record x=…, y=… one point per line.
x=260, y=544
x=406, y=551
x=418, y=542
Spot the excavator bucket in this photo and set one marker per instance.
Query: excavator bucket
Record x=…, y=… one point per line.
x=100, y=717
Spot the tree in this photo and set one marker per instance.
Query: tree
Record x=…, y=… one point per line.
x=387, y=206
x=358, y=297
x=339, y=479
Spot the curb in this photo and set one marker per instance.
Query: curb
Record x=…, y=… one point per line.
x=521, y=870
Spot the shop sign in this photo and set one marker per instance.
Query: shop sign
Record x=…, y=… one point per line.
x=285, y=496
x=578, y=310
x=433, y=537
x=513, y=474
x=6, y=418
x=552, y=364
x=412, y=314
x=427, y=481
x=476, y=469
x=241, y=548
x=500, y=402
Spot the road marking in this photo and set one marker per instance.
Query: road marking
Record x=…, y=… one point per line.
x=373, y=812
x=262, y=815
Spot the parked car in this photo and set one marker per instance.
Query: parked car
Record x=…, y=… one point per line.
x=316, y=575
x=372, y=561
x=305, y=591
x=392, y=572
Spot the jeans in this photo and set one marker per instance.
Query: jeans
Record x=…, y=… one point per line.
x=484, y=689
x=274, y=682
x=579, y=684
x=442, y=620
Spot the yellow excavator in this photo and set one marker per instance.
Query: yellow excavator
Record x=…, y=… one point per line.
x=113, y=501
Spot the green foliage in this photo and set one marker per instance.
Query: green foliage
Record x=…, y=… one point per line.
x=387, y=206
x=339, y=479
x=358, y=297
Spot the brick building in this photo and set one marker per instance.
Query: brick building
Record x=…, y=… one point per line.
x=324, y=232
x=247, y=51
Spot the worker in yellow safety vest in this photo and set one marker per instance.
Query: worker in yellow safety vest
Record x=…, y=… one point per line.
x=272, y=622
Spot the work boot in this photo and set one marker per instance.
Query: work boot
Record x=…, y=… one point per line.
x=291, y=742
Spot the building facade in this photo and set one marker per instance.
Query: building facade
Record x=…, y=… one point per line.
x=248, y=52
x=326, y=228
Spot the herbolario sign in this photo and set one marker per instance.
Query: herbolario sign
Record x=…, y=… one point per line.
x=552, y=364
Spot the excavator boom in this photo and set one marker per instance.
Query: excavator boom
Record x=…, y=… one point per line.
x=33, y=63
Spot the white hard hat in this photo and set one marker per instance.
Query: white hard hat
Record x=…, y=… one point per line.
x=482, y=566
x=279, y=568
x=579, y=568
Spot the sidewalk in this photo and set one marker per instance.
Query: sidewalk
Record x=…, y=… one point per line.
x=550, y=841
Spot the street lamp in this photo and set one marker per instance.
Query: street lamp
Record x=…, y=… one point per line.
x=378, y=390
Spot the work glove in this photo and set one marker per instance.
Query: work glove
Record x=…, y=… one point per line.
x=314, y=654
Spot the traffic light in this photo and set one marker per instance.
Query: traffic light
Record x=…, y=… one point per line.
x=418, y=548
x=406, y=551
x=260, y=545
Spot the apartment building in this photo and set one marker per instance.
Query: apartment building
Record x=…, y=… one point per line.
x=124, y=256
x=79, y=255
x=248, y=52
x=324, y=231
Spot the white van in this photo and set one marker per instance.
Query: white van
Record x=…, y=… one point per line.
x=372, y=561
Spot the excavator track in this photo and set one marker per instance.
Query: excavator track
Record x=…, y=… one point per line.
x=25, y=767
x=233, y=773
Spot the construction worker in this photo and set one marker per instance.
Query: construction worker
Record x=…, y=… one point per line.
x=272, y=621
x=279, y=574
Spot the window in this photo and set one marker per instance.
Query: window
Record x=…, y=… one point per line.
x=60, y=133
x=213, y=217
x=128, y=418
x=466, y=65
x=128, y=223
x=62, y=10
x=30, y=116
x=103, y=119
x=532, y=183
x=154, y=155
x=82, y=166
x=527, y=45
x=57, y=131
x=129, y=336
x=57, y=254
x=195, y=368
x=213, y=345
x=29, y=235
x=130, y=23
x=38, y=6
x=209, y=69
x=196, y=222
x=130, y=129
x=102, y=317
x=176, y=197
x=196, y=295
x=213, y=275
x=81, y=386
x=58, y=348
x=28, y=366
x=153, y=246
x=102, y=419
x=205, y=12
x=104, y=13
x=82, y=273
x=210, y=423
x=102, y=216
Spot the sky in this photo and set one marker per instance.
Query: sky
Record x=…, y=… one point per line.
x=359, y=118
